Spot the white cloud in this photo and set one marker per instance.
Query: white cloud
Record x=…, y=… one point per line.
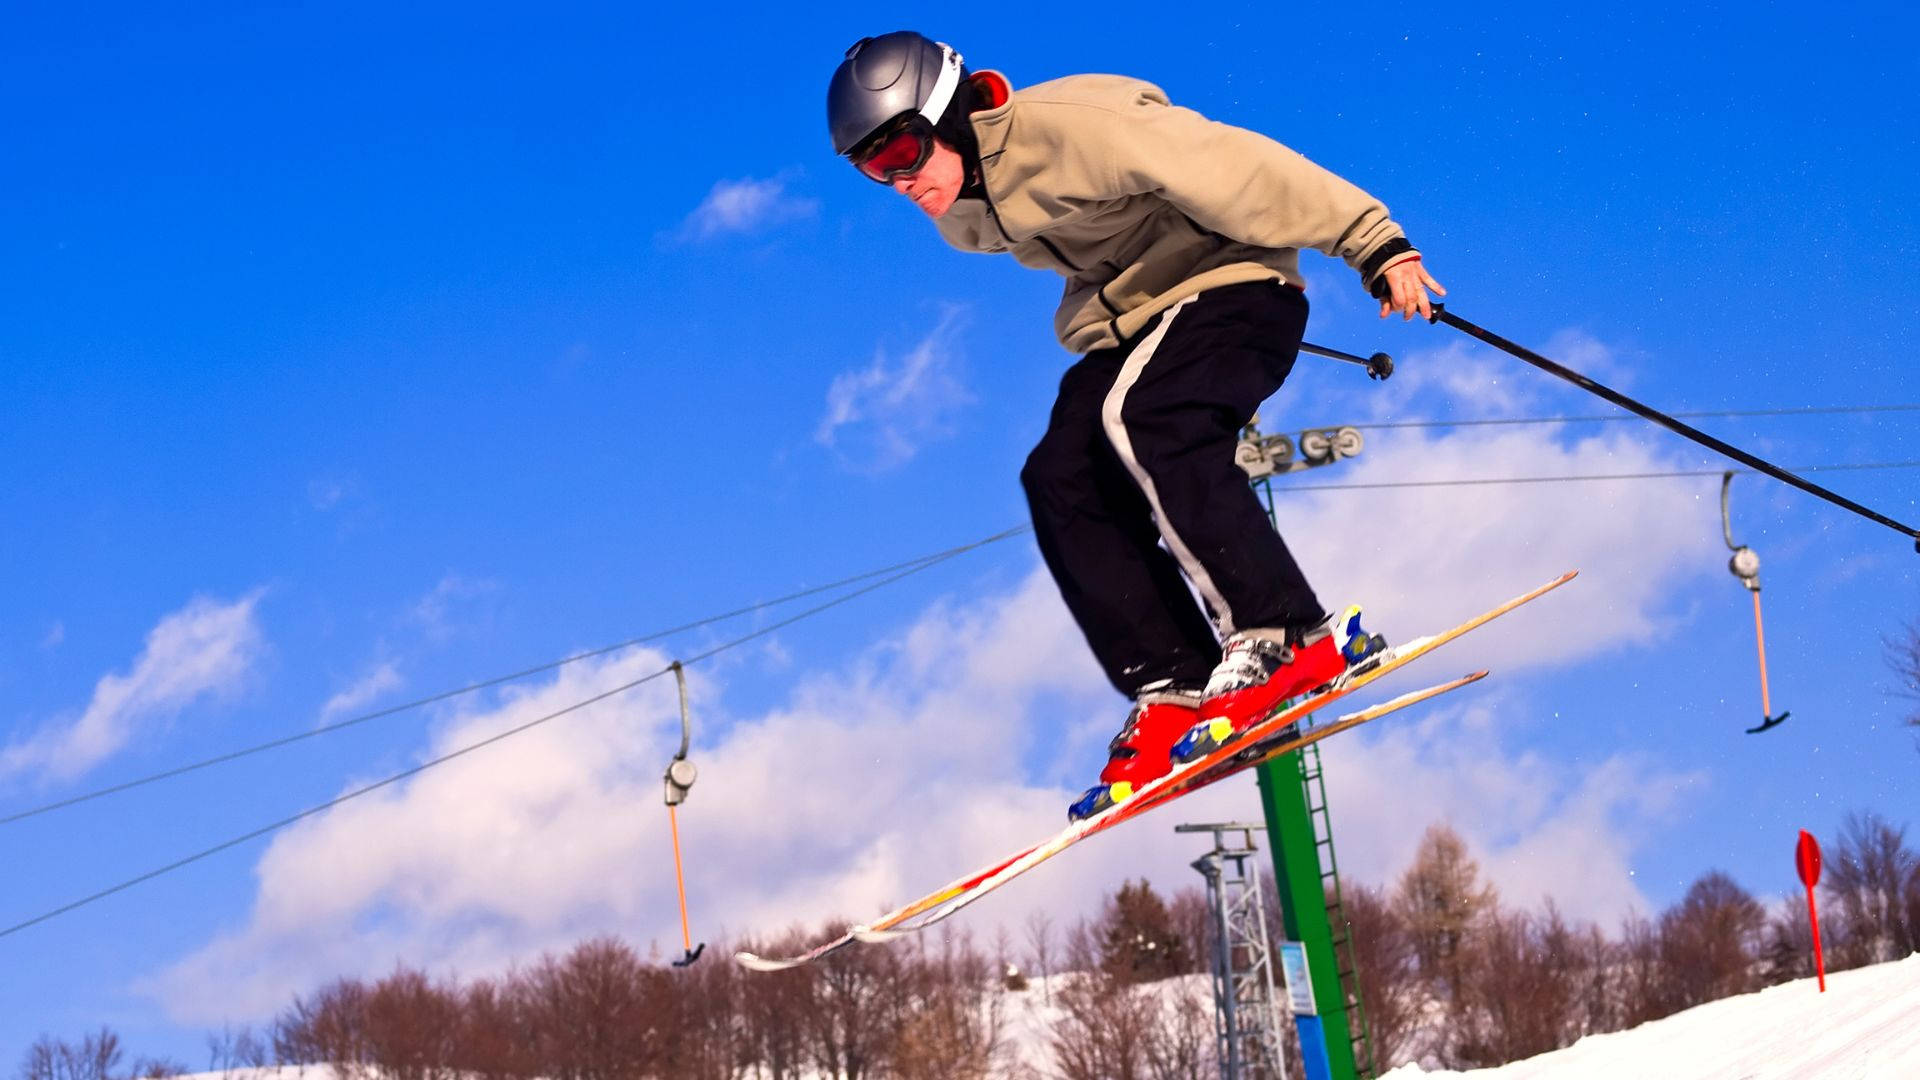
x=449, y=605
x=201, y=651
x=56, y=634
x=880, y=416
x=382, y=678
x=1539, y=828
x=1429, y=556
x=940, y=748
x=744, y=206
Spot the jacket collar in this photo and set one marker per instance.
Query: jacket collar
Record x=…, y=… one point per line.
x=992, y=126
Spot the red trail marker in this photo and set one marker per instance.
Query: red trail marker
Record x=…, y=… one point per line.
x=1806, y=859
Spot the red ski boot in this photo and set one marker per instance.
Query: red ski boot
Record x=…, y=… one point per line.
x=1259, y=669
x=1139, y=755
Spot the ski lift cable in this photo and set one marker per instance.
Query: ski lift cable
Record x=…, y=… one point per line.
x=922, y=562
x=435, y=698
x=451, y=755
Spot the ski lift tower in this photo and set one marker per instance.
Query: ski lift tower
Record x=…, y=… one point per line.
x=1246, y=1017
x=1334, y=1042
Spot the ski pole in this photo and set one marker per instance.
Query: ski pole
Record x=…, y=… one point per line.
x=1441, y=314
x=1379, y=365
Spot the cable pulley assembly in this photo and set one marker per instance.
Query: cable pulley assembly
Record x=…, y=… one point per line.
x=681, y=774
x=1745, y=565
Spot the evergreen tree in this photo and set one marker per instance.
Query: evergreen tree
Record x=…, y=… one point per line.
x=1137, y=941
x=1440, y=900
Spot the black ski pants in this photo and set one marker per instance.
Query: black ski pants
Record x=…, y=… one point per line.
x=1135, y=492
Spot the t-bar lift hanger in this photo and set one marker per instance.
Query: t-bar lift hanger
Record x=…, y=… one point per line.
x=680, y=777
x=1746, y=566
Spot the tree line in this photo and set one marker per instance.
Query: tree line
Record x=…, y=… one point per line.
x=1449, y=976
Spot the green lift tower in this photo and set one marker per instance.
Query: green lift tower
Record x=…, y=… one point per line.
x=1334, y=1044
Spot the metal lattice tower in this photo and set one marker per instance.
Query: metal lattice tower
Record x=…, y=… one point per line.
x=1247, y=1021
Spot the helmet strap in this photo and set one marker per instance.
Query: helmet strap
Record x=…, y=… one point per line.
x=943, y=86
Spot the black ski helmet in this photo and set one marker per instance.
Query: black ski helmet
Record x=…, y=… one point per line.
x=884, y=78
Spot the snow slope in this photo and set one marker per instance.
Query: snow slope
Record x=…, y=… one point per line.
x=1865, y=1027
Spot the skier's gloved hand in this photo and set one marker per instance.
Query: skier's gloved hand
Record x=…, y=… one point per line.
x=1403, y=287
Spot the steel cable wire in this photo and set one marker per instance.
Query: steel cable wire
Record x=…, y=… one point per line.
x=913, y=568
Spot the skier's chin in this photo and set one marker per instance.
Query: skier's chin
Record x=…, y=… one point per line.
x=935, y=203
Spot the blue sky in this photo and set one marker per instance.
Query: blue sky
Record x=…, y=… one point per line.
x=348, y=355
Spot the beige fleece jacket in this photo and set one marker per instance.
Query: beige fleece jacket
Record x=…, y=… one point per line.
x=1139, y=203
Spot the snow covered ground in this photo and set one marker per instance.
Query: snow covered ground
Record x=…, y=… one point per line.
x=1865, y=1027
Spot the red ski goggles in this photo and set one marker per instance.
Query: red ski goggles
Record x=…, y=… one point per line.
x=898, y=150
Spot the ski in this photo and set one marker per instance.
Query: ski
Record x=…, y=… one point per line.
x=1201, y=773
x=1215, y=765
x=1191, y=780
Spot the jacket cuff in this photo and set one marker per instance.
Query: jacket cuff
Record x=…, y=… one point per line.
x=1396, y=250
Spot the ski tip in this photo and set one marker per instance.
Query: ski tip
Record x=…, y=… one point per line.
x=760, y=963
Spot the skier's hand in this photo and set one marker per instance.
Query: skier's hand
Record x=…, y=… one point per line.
x=1407, y=284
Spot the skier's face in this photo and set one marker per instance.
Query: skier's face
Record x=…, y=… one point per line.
x=934, y=186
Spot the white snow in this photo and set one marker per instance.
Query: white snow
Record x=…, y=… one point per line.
x=1865, y=1027
x=1031, y=1016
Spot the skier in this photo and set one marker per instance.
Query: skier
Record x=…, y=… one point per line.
x=1178, y=238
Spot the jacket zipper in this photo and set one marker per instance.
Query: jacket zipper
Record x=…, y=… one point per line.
x=994, y=213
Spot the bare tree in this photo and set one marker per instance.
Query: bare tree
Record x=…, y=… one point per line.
x=1640, y=974
x=953, y=1025
x=702, y=1007
x=1116, y=1023
x=1710, y=942
x=325, y=1029
x=1193, y=922
x=1531, y=988
x=1040, y=947
x=773, y=1010
x=495, y=1036
x=590, y=1016
x=1786, y=951
x=855, y=1011
x=94, y=1057
x=412, y=1027
x=1103, y=1031
x=1873, y=880
x=1181, y=1043
x=230, y=1049
x=1388, y=974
